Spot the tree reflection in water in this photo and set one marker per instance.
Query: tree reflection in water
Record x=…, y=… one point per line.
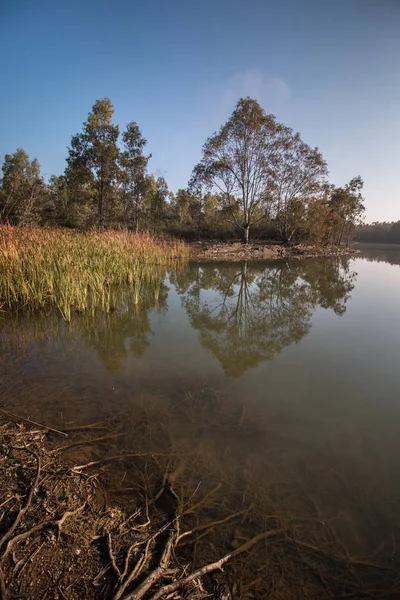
x=127, y=329
x=247, y=313
x=113, y=335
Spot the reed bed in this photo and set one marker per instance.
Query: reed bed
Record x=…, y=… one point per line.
x=73, y=270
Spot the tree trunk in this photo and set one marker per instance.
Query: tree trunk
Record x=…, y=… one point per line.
x=246, y=230
x=101, y=201
x=101, y=217
x=137, y=213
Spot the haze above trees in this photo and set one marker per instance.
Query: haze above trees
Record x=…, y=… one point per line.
x=256, y=177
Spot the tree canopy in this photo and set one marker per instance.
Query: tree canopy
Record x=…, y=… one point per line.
x=255, y=175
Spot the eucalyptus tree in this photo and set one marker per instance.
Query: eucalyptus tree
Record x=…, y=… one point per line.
x=237, y=163
x=299, y=178
x=93, y=156
x=183, y=203
x=23, y=192
x=347, y=207
x=134, y=178
x=159, y=200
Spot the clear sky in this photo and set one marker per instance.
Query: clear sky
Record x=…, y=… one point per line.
x=328, y=68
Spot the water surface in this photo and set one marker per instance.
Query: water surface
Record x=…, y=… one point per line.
x=289, y=370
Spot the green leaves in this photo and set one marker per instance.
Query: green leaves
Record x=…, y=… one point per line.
x=23, y=193
x=133, y=163
x=262, y=167
x=346, y=208
x=93, y=155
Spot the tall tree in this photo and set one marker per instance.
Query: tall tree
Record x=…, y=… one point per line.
x=299, y=176
x=237, y=162
x=134, y=169
x=93, y=156
x=23, y=191
x=347, y=207
x=159, y=201
x=183, y=203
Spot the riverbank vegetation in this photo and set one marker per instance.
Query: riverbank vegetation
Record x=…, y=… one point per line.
x=72, y=270
x=256, y=178
x=382, y=233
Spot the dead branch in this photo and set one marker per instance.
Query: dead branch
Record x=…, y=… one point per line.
x=97, y=425
x=18, y=418
x=95, y=463
x=109, y=436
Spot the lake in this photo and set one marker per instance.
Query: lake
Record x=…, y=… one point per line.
x=285, y=375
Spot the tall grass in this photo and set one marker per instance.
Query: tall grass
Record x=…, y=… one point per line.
x=72, y=270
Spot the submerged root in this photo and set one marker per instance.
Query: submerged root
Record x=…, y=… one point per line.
x=185, y=531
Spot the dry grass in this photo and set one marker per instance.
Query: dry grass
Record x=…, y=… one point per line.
x=72, y=270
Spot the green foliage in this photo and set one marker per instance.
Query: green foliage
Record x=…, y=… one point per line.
x=346, y=209
x=261, y=169
x=299, y=177
x=255, y=174
x=237, y=163
x=93, y=157
x=135, y=183
x=379, y=232
x=23, y=193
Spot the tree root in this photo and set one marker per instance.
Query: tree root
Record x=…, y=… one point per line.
x=179, y=584
x=155, y=575
x=331, y=557
x=210, y=526
x=164, y=546
x=3, y=591
x=55, y=523
x=8, y=535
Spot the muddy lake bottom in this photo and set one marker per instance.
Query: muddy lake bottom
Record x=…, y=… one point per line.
x=263, y=400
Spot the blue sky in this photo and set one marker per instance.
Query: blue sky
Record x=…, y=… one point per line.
x=329, y=69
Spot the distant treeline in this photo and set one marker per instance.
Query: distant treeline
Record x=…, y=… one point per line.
x=255, y=174
x=388, y=233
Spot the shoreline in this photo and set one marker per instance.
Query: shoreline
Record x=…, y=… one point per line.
x=213, y=250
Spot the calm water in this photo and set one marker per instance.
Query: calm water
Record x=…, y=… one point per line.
x=294, y=367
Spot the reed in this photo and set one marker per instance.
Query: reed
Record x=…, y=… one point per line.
x=73, y=270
